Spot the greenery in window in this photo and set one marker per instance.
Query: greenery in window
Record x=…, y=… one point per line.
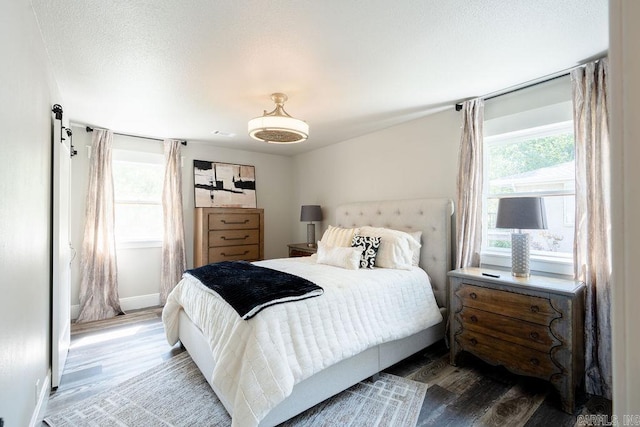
x=511, y=159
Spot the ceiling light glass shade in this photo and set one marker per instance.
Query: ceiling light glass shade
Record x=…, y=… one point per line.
x=277, y=126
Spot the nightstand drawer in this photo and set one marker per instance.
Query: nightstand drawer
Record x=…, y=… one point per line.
x=234, y=237
x=521, y=360
x=524, y=307
x=532, y=335
x=234, y=253
x=298, y=253
x=222, y=221
x=301, y=249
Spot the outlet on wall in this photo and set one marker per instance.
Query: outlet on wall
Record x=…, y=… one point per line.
x=37, y=391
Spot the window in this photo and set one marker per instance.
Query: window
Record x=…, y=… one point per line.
x=532, y=162
x=138, y=178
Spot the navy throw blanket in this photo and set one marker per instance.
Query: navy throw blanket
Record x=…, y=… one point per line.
x=249, y=288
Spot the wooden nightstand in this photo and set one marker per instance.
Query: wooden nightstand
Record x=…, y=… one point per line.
x=531, y=326
x=301, y=249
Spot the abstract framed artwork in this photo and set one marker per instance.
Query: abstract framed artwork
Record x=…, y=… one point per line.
x=224, y=185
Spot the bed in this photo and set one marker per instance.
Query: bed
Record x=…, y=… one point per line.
x=309, y=385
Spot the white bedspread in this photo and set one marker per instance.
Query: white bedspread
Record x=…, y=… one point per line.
x=258, y=361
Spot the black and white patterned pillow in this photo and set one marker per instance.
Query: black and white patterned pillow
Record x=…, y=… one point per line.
x=369, y=246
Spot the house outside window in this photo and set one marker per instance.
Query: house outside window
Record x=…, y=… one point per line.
x=138, y=179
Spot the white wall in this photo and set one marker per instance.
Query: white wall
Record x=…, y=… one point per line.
x=26, y=97
x=412, y=160
x=540, y=105
x=139, y=268
x=625, y=155
x=274, y=188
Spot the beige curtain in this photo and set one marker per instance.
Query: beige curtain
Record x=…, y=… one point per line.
x=174, y=260
x=592, y=247
x=469, y=186
x=99, y=275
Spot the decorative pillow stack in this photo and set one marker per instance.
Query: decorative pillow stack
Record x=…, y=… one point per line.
x=373, y=246
x=335, y=248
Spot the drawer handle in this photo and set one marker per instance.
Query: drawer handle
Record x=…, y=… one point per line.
x=473, y=319
x=535, y=309
x=534, y=361
x=473, y=341
x=243, y=253
x=534, y=335
x=473, y=295
x=234, y=238
x=224, y=221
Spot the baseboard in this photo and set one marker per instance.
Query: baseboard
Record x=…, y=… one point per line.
x=130, y=303
x=41, y=404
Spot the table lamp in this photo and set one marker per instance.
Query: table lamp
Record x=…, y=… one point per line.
x=520, y=213
x=311, y=213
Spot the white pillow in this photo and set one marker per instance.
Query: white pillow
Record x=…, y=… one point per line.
x=397, y=248
x=417, y=235
x=338, y=256
x=338, y=236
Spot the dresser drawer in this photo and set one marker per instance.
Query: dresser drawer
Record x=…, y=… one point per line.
x=223, y=221
x=233, y=237
x=532, y=335
x=234, y=253
x=532, y=309
x=519, y=359
x=227, y=234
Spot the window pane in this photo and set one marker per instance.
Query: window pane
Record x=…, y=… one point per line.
x=535, y=162
x=138, y=197
x=138, y=222
x=134, y=181
x=532, y=165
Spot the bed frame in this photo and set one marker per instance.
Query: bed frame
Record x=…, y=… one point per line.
x=431, y=216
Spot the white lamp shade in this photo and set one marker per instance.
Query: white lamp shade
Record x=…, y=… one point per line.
x=278, y=129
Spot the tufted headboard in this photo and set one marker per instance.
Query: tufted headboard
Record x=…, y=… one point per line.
x=432, y=216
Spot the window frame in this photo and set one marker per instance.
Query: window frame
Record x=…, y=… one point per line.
x=131, y=156
x=541, y=261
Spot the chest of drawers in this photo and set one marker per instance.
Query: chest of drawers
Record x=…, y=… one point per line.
x=531, y=326
x=228, y=234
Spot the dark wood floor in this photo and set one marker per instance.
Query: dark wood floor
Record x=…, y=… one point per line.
x=106, y=353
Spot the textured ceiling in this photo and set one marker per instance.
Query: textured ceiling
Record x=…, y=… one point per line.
x=184, y=69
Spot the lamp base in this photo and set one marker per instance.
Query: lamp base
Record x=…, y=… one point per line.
x=520, y=255
x=311, y=235
x=522, y=275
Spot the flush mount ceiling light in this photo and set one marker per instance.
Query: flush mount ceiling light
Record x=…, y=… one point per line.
x=277, y=126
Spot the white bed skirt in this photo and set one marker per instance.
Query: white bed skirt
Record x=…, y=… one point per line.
x=325, y=383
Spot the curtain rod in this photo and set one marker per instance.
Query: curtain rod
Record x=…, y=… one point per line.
x=90, y=129
x=534, y=82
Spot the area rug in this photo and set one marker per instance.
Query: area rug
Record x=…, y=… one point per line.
x=176, y=394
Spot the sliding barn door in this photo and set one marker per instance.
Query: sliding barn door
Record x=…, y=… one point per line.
x=62, y=252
